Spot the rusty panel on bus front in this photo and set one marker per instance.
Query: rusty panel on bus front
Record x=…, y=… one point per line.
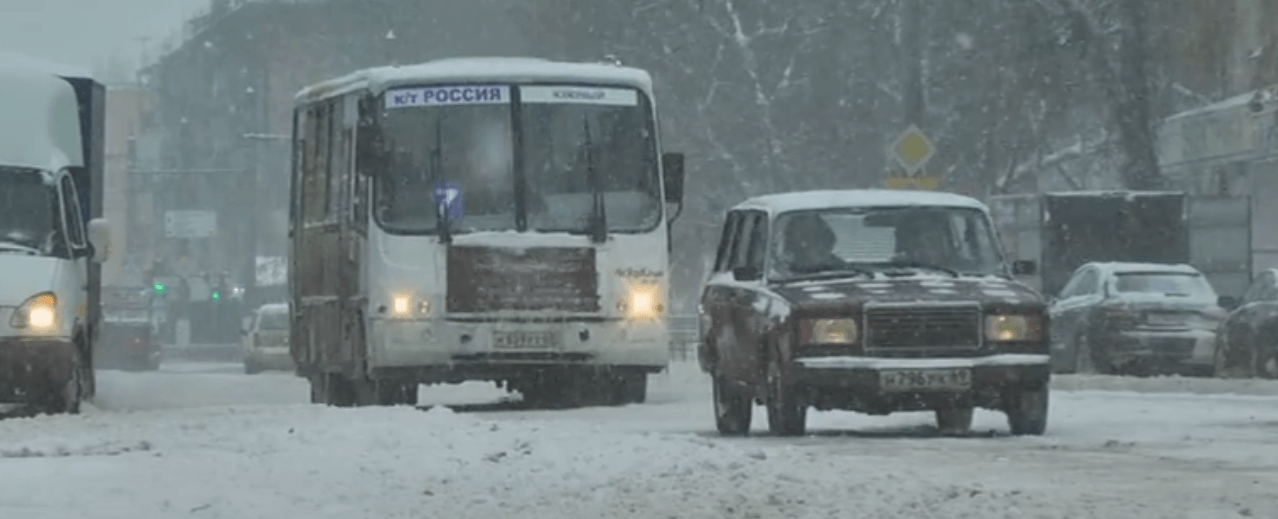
x=490, y=279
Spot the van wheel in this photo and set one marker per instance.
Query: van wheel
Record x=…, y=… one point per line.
x=65, y=398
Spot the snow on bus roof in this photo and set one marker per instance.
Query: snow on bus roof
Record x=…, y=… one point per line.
x=13, y=60
x=824, y=199
x=477, y=69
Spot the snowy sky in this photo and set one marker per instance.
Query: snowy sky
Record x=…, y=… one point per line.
x=88, y=32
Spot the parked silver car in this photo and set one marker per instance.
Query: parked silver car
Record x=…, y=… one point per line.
x=266, y=340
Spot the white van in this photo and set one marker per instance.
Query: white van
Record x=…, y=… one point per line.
x=46, y=245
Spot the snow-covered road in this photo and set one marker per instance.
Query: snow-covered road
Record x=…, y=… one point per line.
x=204, y=440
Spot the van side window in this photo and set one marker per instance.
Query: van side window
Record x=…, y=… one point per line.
x=71, y=214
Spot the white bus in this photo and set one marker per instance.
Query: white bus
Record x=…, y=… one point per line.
x=497, y=219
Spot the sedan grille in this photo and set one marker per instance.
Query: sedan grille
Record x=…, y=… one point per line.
x=923, y=327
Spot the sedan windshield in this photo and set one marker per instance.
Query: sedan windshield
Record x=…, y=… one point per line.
x=27, y=212
x=952, y=241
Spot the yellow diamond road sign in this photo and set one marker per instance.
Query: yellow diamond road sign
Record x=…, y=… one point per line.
x=912, y=149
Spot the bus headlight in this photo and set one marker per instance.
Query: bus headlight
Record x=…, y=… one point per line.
x=641, y=302
x=39, y=312
x=403, y=307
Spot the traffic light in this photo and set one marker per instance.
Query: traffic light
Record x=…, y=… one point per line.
x=159, y=288
x=216, y=295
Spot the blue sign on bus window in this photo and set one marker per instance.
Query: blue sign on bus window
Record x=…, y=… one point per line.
x=448, y=200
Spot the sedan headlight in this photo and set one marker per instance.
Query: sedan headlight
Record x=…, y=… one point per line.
x=1013, y=328
x=831, y=331
x=39, y=312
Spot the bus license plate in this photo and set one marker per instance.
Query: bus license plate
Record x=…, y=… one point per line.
x=926, y=379
x=525, y=340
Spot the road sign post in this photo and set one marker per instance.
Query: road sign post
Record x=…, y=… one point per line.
x=911, y=150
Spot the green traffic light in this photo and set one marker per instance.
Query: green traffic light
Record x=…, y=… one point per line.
x=217, y=295
x=159, y=288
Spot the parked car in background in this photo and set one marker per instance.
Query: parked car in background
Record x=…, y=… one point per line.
x=1142, y=318
x=1247, y=340
x=266, y=340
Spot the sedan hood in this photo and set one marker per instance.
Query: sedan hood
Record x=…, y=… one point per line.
x=24, y=276
x=850, y=293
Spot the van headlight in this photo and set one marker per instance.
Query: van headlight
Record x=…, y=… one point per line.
x=38, y=312
x=641, y=302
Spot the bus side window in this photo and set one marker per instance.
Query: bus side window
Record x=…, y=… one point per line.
x=314, y=169
x=338, y=159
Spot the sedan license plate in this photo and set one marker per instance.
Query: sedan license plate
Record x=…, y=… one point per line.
x=525, y=340
x=958, y=379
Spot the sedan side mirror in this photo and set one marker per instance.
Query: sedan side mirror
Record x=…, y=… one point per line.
x=1024, y=268
x=1228, y=302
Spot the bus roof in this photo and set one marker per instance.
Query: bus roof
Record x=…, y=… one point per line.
x=519, y=70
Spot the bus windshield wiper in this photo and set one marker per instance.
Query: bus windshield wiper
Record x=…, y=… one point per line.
x=442, y=224
x=598, y=216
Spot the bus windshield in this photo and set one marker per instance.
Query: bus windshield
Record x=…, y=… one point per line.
x=451, y=151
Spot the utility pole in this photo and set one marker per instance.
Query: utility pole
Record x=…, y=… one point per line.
x=912, y=101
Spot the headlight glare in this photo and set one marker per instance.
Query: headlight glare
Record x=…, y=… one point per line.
x=1011, y=328
x=641, y=302
x=833, y=331
x=38, y=312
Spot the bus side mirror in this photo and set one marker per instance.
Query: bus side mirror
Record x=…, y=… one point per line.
x=672, y=171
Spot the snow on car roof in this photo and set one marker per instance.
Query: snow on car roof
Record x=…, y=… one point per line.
x=273, y=308
x=506, y=69
x=826, y=199
x=1116, y=267
x=10, y=60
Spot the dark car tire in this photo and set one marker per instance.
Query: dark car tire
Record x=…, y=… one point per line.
x=787, y=416
x=733, y=408
x=65, y=398
x=1027, y=410
x=954, y=421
